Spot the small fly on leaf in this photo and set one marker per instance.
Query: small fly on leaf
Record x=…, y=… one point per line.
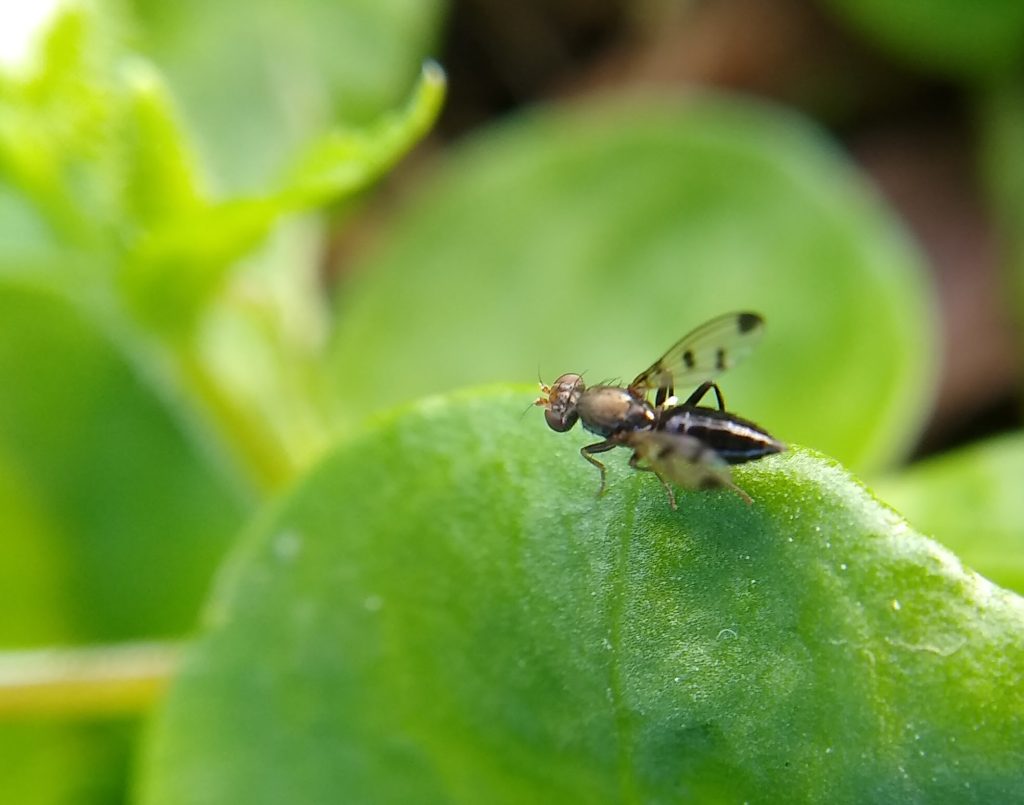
x=684, y=443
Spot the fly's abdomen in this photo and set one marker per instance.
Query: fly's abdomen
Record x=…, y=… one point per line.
x=736, y=440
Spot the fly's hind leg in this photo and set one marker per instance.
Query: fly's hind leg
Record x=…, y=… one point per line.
x=588, y=453
x=723, y=481
x=703, y=389
x=634, y=463
x=743, y=495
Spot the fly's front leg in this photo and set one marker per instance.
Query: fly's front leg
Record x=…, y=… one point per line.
x=588, y=453
x=634, y=463
x=703, y=389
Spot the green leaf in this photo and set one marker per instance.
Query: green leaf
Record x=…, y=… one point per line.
x=56, y=129
x=36, y=601
x=113, y=522
x=291, y=71
x=1002, y=152
x=343, y=162
x=965, y=40
x=94, y=159
x=37, y=609
x=176, y=264
x=970, y=501
x=444, y=612
x=51, y=762
x=592, y=239
x=162, y=177
x=140, y=513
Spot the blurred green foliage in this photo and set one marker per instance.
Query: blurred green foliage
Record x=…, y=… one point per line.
x=169, y=362
x=259, y=78
x=972, y=499
x=126, y=463
x=970, y=41
x=591, y=240
x=1001, y=117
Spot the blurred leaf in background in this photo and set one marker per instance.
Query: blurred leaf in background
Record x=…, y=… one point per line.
x=123, y=515
x=128, y=464
x=258, y=79
x=971, y=499
x=967, y=40
x=1001, y=114
x=590, y=240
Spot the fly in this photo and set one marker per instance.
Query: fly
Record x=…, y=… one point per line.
x=684, y=443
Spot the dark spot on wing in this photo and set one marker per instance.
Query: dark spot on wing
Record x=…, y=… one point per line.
x=748, y=321
x=688, y=359
x=720, y=359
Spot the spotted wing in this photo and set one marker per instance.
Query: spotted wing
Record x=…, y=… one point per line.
x=684, y=460
x=704, y=354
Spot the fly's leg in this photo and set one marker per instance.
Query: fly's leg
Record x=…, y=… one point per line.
x=723, y=481
x=588, y=453
x=664, y=392
x=634, y=463
x=743, y=495
x=703, y=389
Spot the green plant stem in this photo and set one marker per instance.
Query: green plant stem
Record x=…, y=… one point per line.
x=260, y=455
x=85, y=682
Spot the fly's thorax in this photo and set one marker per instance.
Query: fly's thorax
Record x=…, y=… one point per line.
x=605, y=410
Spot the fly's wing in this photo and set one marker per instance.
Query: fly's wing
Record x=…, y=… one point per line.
x=685, y=460
x=704, y=354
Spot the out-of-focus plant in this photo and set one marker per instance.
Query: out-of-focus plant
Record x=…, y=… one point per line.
x=437, y=608
x=969, y=42
x=127, y=457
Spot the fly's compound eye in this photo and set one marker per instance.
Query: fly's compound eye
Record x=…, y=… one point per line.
x=560, y=422
x=560, y=405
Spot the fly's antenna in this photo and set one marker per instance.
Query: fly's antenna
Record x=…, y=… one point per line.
x=536, y=402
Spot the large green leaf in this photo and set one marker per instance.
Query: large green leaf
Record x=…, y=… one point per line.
x=113, y=521
x=970, y=501
x=966, y=40
x=444, y=612
x=139, y=512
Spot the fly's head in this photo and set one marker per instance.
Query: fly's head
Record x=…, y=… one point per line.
x=559, y=401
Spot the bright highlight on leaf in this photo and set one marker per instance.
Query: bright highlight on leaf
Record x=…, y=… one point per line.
x=444, y=612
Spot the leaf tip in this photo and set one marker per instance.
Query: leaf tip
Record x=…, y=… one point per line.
x=433, y=74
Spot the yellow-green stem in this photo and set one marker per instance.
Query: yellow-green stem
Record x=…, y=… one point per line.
x=85, y=682
x=262, y=456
